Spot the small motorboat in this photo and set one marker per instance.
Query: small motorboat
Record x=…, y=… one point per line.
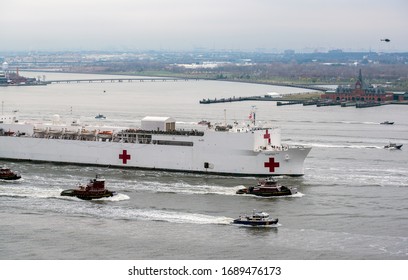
x=393, y=146
x=268, y=187
x=257, y=219
x=93, y=190
x=8, y=175
x=387, y=122
x=100, y=117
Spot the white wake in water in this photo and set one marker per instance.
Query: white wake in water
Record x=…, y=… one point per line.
x=181, y=217
x=181, y=188
x=75, y=206
x=115, y=212
x=36, y=192
x=320, y=145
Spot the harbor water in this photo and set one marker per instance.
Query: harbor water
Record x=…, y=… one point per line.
x=351, y=202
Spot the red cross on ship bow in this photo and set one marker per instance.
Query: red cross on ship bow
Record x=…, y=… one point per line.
x=271, y=164
x=124, y=156
x=267, y=136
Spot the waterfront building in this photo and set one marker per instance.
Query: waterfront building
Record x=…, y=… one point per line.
x=361, y=91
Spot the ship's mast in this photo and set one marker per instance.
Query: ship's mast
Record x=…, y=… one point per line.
x=252, y=115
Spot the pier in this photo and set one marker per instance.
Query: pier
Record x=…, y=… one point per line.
x=282, y=101
x=248, y=98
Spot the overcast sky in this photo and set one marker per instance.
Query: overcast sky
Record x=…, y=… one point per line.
x=351, y=25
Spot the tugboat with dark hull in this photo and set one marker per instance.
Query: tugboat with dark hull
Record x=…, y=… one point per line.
x=257, y=219
x=95, y=189
x=268, y=187
x=8, y=175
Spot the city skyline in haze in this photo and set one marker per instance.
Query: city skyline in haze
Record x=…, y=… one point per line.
x=268, y=25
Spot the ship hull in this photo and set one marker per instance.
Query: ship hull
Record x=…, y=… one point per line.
x=13, y=178
x=157, y=145
x=254, y=223
x=203, y=157
x=84, y=195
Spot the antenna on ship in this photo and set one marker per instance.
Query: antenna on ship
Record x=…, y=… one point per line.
x=252, y=115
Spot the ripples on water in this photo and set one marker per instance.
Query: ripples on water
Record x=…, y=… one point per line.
x=351, y=202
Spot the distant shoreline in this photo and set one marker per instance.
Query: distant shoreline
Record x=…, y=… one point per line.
x=315, y=93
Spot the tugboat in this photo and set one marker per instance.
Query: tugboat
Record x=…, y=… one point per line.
x=268, y=187
x=393, y=146
x=387, y=122
x=93, y=190
x=257, y=219
x=8, y=174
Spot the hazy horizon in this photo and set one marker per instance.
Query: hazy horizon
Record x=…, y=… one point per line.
x=180, y=25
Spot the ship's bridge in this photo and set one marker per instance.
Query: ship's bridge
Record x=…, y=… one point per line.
x=8, y=119
x=267, y=138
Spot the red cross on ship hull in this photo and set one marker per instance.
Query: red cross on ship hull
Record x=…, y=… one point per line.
x=271, y=164
x=124, y=156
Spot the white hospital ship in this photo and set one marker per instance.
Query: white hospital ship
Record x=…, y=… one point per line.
x=157, y=144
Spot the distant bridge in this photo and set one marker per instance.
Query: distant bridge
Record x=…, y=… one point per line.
x=156, y=79
x=316, y=88
x=116, y=80
x=305, y=86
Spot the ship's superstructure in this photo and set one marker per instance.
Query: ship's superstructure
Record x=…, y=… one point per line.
x=157, y=144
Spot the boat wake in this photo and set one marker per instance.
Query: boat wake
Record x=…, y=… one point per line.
x=47, y=200
x=180, y=217
x=345, y=146
x=35, y=192
x=115, y=212
x=182, y=188
x=19, y=181
x=117, y=197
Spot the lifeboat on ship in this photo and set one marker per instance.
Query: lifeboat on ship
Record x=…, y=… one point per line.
x=8, y=175
x=85, y=132
x=268, y=187
x=40, y=130
x=106, y=134
x=95, y=189
x=257, y=219
x=70, y=132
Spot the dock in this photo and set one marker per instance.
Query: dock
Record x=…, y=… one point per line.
x=368, y=104
x=250, y=98
x=285, y=101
